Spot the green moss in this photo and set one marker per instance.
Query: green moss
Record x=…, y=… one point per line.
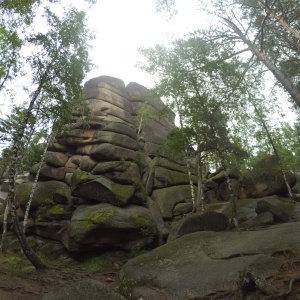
x=51, y=212
x=140, y=220
x=95, y=264
x=56, y=210
x=100, y=216
x=140, y=159
x=24, y=197
x=122, y=191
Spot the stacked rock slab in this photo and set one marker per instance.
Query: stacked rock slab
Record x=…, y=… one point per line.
x=111, y=185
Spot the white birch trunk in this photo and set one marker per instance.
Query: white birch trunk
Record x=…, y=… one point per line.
x=34, y=185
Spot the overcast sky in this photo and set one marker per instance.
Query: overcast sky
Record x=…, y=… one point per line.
x=123, y=26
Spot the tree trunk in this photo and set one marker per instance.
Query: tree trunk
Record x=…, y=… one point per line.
x=4, y=234
x=17, y=139
x=231, y=194
x=280, y=76
x=280, y=20
x=191, y=181
x=274, y=149
x=34, y=184
x=200, y=203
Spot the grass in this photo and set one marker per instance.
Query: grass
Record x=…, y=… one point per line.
x=95, y=264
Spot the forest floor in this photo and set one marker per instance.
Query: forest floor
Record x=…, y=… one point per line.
x=19, y=280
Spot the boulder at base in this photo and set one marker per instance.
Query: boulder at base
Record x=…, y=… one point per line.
x=82, y=289
x=193, y=222
x=206, y=263
x=104, y=225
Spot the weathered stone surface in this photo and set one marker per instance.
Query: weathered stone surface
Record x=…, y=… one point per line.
x=266, y=179
x=103, y=94
x=78, y=137
x=105, y=109
x=55, y=159
x=102, y=189
x=193, y=222
x=265, y=206
x=195, y=265
x=152, y=149
x=182, y=208
x=111, y=83
x=109, y=152
x=164, y=178
x=51, y=230
x=159, y=222
x=171, y=165
x=124, y=172
x=57, y=147
x=136, y=92
x=87, y=163
x=246, y=207
x=223, y=190
x=102, y=225
x=262, y=219
x=121, y=128
x=155, y=132
x=167, y=198
x=47, y=193
x=52, y=173
x=82, y=289
x=219, y=177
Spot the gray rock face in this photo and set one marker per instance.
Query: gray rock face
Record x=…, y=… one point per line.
x=82, y=289
x=262, y=219
x=111, y=157
x=193, y=222
x=266, y=179
x=246, y=208
x=204, y=263
x=265, y=206
x=103, y=225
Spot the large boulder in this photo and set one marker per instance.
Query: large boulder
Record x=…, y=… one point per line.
x=82, y=289
x=246, y=208
x=193, y=222
x=46, y=194
x=167, y=198
x=103, y=225
x=266, y=179
x=203, y=264
x=102, y=189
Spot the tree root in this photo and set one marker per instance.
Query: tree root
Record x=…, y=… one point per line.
x=278, y=296
x=248, y=279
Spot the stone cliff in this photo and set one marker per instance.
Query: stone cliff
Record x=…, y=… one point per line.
x=105, y=181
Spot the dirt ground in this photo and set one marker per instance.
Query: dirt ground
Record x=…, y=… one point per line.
x=20, y=281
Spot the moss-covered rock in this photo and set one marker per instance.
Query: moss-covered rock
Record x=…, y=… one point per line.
x=168, y=197
x=46, y=193
x=102, y=189
x=50, y=213
x=102, y=225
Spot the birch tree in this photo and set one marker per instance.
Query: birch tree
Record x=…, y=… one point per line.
x=269, y=30
x=56, y=69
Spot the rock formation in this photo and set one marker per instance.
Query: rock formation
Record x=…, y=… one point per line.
x=105, y=181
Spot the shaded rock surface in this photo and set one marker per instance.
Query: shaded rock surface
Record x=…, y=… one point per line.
x=104, y=225
x=111, y=160
x=81, y=290
x=205, y=263
x=193, y=222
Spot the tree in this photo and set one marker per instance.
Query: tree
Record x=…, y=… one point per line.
x=57, y=69
x=270, y=30
x=197, y=81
